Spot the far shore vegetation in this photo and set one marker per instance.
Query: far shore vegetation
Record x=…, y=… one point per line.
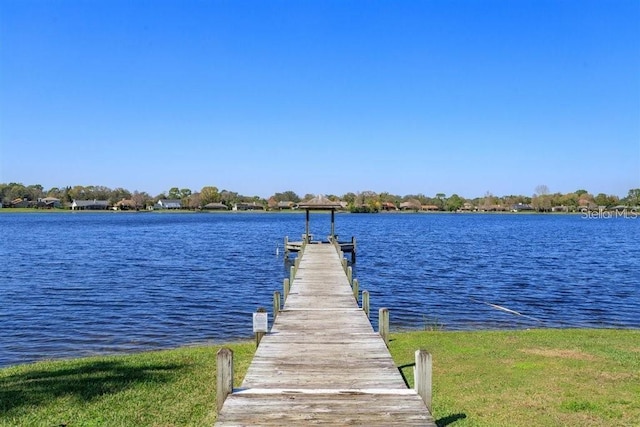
x=541, y=377
x=18, y=196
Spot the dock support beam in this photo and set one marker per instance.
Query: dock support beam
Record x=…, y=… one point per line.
x=422, y=376
x=224, y=376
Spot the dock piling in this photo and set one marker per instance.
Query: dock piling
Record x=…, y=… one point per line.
x=260, y=334
x=353, y=250
x=422, y=376
x=365, y=303
x=224, y=376
x=383, y=324
x=285, y=289
x=276, y=304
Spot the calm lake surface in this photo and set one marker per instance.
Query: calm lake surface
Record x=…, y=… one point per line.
x=75, y=284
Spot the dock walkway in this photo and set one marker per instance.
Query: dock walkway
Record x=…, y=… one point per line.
x=322, y=362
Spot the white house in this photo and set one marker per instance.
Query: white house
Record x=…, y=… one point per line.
x=90, y=205
x=168, y=204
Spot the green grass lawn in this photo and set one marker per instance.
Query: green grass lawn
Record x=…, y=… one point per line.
x=547, y=377
x=508, y=378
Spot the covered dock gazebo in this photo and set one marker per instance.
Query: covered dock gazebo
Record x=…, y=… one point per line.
x=319, y=203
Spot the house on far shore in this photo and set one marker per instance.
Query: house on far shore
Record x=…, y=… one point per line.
x=619, y=208
x=430, y=208
x=168, y=204
x=286, y=205
x=253, y=206
x=49, y=202
x=22, y=203
x=467, y=207
x=389, y=206
x=521, y=207
x=274, y=205
x=410, y=205
x=215, y=207
x=126, y=205
x=586, y=205
x=493, y=208
x=89, y=205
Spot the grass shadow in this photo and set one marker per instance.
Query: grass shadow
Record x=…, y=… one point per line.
x=450, y=419
x=85, y=382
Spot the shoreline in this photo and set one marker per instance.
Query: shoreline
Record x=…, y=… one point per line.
x=481, y=378
x=250, y=340
x=301, y=211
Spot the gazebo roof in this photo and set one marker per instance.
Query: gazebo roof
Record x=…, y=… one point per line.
x=319, y=202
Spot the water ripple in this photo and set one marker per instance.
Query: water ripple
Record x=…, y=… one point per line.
x=102, y=283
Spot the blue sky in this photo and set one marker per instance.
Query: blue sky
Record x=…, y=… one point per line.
x=326, y=97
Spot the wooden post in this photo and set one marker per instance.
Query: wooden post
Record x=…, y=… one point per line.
x=224, y=376
x=296, y=263
x=276, y=304
x=356, y=289
x=285, y=289
x=286, y=247
x=259, y=335
x=353, y=251
x=365, y=302
x=383, y=324
x=292, y=274
x=350, y=276
x=306, y=226
x=344, y=263
x=422, y=374
x=333, y=222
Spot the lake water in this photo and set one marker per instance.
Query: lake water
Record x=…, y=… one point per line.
x=78, y=284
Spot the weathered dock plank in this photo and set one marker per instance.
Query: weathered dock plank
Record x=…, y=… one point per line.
x=325, y=408
x=322, y=362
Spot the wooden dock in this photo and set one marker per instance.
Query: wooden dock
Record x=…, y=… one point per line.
x=322, y=362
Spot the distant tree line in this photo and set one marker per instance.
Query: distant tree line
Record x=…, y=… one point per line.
x=13, y=192
x=542, y=199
